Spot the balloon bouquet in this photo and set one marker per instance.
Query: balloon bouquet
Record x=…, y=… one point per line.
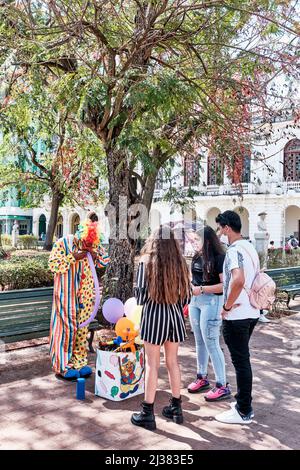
x=126, y=327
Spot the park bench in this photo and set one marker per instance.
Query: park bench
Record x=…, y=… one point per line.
x=25, y=314
x=287, y=281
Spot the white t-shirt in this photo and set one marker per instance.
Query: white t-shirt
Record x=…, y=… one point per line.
x=238, y=256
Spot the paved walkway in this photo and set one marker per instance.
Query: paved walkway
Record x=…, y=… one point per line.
x=38, y=411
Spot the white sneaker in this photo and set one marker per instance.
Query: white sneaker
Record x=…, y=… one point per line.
x=232, y=416
x=263, y=319
x=232, y=404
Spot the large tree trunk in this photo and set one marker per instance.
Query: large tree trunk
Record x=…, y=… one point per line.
x=146, y=200
x=55, y=204
x=149, y=190
x=119, y=274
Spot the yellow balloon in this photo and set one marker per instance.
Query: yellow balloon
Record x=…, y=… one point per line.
x=137, y=314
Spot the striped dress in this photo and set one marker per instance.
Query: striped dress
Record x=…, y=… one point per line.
x=160, y=322
x=73, y=302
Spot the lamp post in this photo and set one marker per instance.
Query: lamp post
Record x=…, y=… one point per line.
x=285, y=190
x=281, y=190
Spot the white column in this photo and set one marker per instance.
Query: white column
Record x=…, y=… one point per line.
x=66, y=222
x=252, y=222
x=35, y=225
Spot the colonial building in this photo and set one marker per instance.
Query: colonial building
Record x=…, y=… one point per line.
x=271, y=183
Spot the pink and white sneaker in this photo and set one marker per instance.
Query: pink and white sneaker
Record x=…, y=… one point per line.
x=218, y=393
x=200, y=385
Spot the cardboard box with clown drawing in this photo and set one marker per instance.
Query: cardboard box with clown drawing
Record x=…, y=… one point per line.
x=120, y=370
x=119, y=375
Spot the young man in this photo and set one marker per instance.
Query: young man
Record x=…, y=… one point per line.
x=239, y=317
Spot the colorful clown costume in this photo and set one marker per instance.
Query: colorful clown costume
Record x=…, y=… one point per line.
x=73, y=303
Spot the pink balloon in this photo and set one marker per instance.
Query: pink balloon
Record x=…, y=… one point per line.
x=113, y=310
x=102, y=386
x=130, y=306
x=114, y=360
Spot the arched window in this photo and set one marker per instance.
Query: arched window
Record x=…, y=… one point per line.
x=291, y=169
x=75, y=223
x=59, y=227
x=42, y=225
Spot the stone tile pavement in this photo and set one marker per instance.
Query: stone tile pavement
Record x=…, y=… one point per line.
x=38, y=411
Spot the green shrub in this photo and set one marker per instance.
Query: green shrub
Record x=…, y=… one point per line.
x=21, y=256
x=24, y=274
x=27, y=242
x=277, y=260
x=23, y=241
x=6, y=239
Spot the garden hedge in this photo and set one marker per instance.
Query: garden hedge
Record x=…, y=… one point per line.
x=25, y=273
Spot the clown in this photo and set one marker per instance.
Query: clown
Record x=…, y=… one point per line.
x=129, y=381
x=74, y=298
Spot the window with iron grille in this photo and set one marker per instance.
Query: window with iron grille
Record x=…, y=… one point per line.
x=191, y=171
x=246, y=174
x=159, y=183
x=215, y=170
x=292, y=160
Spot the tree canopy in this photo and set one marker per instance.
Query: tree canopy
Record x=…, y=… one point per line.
x=152, y=79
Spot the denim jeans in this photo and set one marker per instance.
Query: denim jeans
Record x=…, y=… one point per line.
x=237, y=334
x=205, y=319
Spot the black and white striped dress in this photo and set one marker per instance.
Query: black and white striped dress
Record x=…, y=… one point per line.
x=160, y=322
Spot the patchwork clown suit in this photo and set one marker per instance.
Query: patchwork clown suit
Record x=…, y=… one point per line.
x=73, y=304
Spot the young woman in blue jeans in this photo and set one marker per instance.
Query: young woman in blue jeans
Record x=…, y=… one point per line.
x=204, y=311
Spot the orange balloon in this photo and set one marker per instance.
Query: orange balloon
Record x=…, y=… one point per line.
x=125, y=329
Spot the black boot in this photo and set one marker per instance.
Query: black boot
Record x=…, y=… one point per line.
x=145, y=418
x=174, y=410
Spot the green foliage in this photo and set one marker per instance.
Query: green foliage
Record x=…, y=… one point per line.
x=24, y=273
x=25, y=242
x=277, y=260
x=6, y=240
x=43, y=147
x=147, y=80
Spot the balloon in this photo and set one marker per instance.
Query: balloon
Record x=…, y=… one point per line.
x=114, y=360
x=114, y=391
x=136, y=316
x=186, y=310
x=113, y=310
x=125, y=329
x=102, y=386
x=138, y=340
x=97, y=292
x=130, y=306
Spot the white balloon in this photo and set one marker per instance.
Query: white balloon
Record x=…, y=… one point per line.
x=130, y=306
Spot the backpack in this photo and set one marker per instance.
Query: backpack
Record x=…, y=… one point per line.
x=262, y=292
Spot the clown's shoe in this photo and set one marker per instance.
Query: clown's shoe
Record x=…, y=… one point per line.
x=85, y=371
x=71, y=374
